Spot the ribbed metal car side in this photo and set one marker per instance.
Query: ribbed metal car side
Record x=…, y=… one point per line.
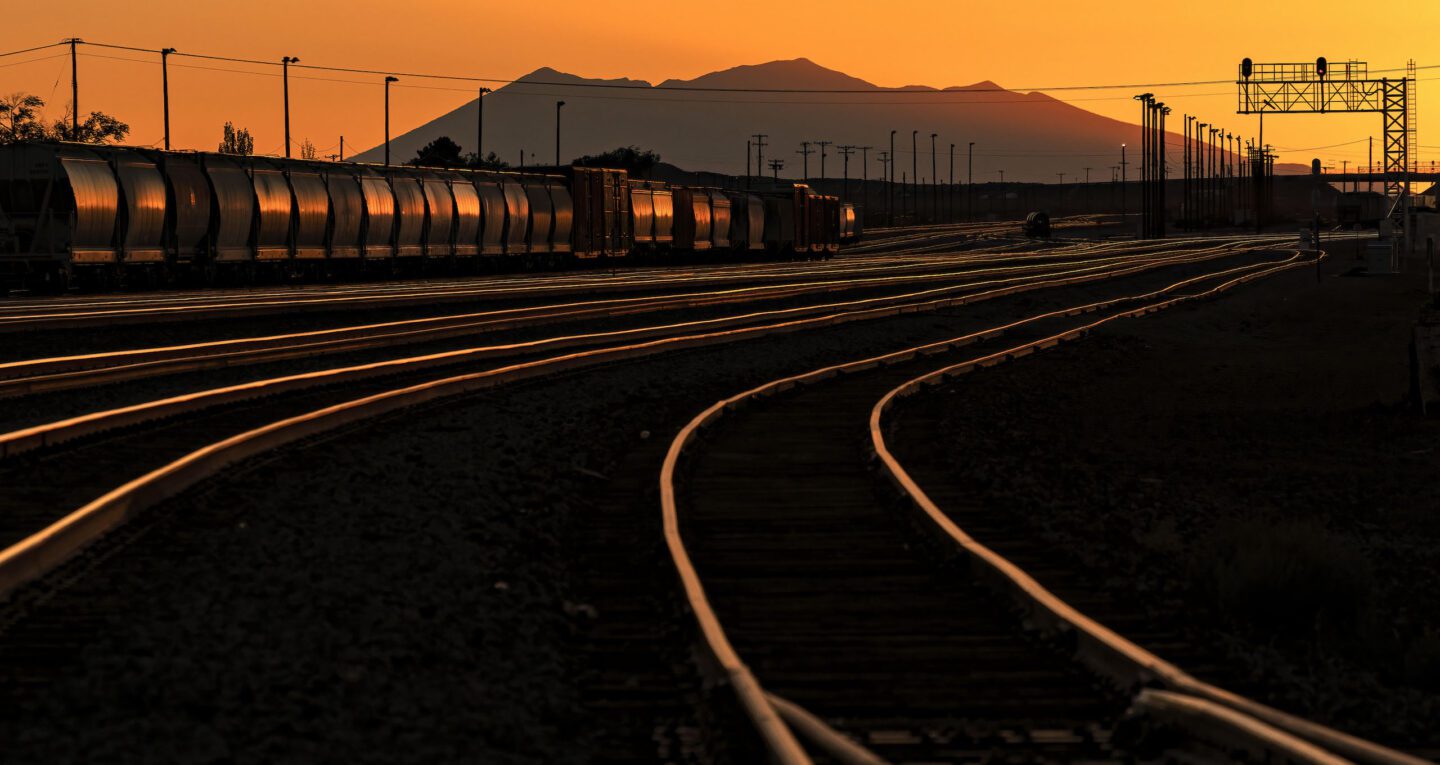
x=378, y=239
x=564, y=208
x=312, y=212
x=492, y=215
x=234, y=208
x=409, y=213
x=664, y=216
x=542, y=214
x=95, y=198
x=142, y=207
x=273, y=208
x=467, y=216
x=517, y=218
x=747, y=221
x=187, y=206
x=642, y=216
x=347, y=211
x=700, y=205
x=719, y=220
x=440, y=216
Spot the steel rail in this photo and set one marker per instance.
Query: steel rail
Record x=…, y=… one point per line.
x=53, y=433
x=1106, y=652
x=716, y=641
x=30, y=376
x=48, y=548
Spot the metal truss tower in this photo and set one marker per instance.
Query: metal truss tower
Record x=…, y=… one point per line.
x=1345, y=87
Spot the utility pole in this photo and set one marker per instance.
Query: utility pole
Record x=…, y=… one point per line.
x=915, y=173
x=285, y=63
x=165, y=90
x=890, y=186
x=822, y=145
x=950, y=191
x=805, y=151
x=389, y=79
x=342, y=148
x=934, y=182
x=970, y=183
x=747, y=163
x=74, y=89
x=846, y=151
x=1123, y=180
x=865, y=179
x=885, y=178
x=775, y=166
x=760, y=151
x=480, y=125
x=558, y=106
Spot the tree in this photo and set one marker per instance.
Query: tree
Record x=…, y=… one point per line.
x=237, y=141
x=307, y=150
x=21, y=120
x=629, y=158
x=441, y=152
x=491, y=161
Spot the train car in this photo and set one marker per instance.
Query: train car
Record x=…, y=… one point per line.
x=1361, y=208
x=106, y=212
x=747, y=222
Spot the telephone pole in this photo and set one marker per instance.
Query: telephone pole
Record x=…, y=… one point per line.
x=950, y=195
x=846, y=151
x=934, y=182
x=558, y=106
x=776, y=165
x=822, y=145
x=890, y=186
x=74, y=89
x=760, y=151
x=970, y=183
x=885, y=178
x=165, y=90
x=480, y=125
x=915, y=172
x=806, y=151
x=865, y=178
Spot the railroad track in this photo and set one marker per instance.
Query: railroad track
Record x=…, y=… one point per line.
x=806, y=585
x=37, y=375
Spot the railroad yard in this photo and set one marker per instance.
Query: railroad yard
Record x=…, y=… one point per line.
x=955, y=495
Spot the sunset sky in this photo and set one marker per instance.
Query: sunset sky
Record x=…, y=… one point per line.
x=1034, y=46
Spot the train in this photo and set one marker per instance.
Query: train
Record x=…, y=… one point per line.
x=102, y=215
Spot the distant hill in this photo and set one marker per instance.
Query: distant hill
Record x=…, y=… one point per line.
x=1030, y=136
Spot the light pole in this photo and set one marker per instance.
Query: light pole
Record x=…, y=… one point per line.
x=865, y=178
x=1123, y=179
x=74, y=88
x=934, y=182
x=165, y=90
x=388, y=79
x=915, y=172
x=950, y=196
x=970, y=183
x=480, y=126
x=285, y=77
x=558, y=106
x=890, y=186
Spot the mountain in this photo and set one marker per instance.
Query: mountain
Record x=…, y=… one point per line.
x=1030, y=136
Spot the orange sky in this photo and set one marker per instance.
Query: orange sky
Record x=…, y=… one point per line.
x=893, y=43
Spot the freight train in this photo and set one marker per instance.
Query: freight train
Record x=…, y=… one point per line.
x=103, y=215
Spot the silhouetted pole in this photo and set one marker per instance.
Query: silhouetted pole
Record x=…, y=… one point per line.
x=1123, y=180
x=74, y=89
x=342, y=148
x=845, y=151
x=747, y=163
x=934, y=182
x=389, y=79
x=285, y=63
x=885, y=179
x=480, y=125
x=890, y=185
x=775, y=165
x=805, y=151
x=970, y=183
x=165, y=90
x=822, y=145
x=760, y=152
x=865, y=178
x=950, y=192
x=558, y=106
x=1160, y=188
x=915, y=174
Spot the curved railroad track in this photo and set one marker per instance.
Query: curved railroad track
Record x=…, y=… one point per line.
x=807, y=588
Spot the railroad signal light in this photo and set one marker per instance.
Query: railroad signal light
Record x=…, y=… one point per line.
x=1321, y=65
x=1246, y=68
x=1315, y=166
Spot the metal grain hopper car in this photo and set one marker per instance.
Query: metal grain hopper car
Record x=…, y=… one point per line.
x=102, y=215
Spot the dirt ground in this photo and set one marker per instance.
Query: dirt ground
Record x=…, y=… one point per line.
x=1252, y=464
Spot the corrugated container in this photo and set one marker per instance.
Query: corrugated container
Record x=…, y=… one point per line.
x=517, y=217
x=542, y=215
x=564, y=208
x=312, y=211
x=273, y=207
x=467, y=215
x=492, y=215
x=642, y=215
x=440, y=216
x=378, y=240
x=409, y=213
x=187, y=205
x=234, y=208
x=142, y=207
x=347, y=211
x=719, y=220
x=664, y=203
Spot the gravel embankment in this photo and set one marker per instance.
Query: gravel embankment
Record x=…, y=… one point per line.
x=403, y=591
x=1251, y=465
